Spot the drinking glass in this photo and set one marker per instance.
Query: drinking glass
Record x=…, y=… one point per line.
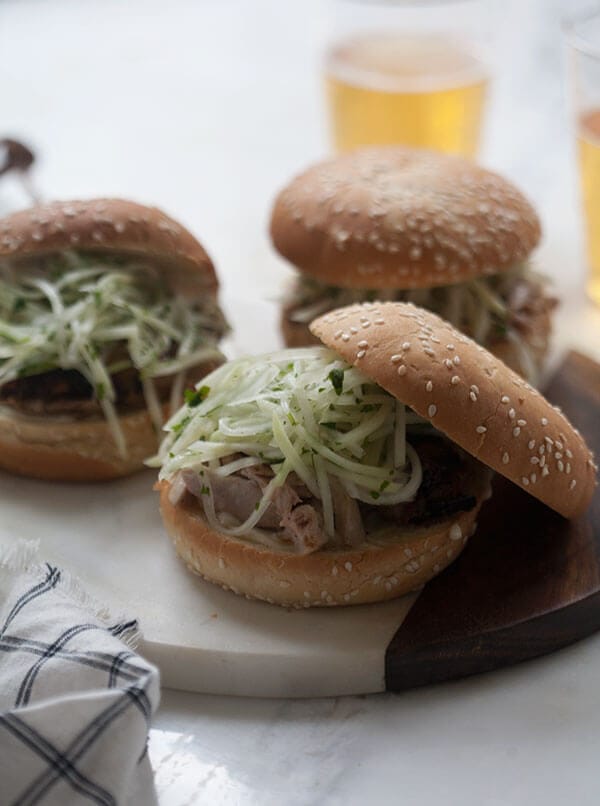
x=583, y=40
x=414, y=73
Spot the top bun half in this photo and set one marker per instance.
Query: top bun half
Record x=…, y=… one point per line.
x=396, y=217
x=468, y=394
x=111, y=227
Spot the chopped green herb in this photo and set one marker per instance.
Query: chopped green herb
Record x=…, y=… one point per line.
x=204, y=490
x=336, y=376
x=500, y=328
x=193, y=397
x=178, y=427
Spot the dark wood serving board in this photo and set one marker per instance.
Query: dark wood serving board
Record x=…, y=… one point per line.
x=527, y=584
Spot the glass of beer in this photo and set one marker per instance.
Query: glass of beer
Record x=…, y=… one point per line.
x=407, y=72
x=583, y=37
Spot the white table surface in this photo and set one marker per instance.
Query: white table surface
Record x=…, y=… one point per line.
x=206, y=108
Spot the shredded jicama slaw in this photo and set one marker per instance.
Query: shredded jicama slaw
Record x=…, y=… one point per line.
x=304, y=411
x=478, y=307
x=100, y=315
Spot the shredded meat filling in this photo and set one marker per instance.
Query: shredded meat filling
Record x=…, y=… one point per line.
x=442, y=490
x=297, y=517
x=526, y=301
x=66, y=391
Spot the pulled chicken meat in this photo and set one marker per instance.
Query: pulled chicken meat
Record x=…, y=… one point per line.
x=296, y=516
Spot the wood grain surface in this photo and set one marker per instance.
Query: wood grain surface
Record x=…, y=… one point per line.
x=528, y=582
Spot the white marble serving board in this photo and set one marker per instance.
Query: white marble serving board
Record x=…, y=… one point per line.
x=205, y=639
x=201, y=637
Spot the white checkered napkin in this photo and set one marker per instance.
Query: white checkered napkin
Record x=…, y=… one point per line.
x=75, y=700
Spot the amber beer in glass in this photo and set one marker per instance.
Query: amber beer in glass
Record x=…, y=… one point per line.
x=589, y=165
x=583, y=39
x=414, y=80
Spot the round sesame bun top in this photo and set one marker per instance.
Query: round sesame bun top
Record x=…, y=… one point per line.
x=468, y=394
x=112, y=227
x=395, y=217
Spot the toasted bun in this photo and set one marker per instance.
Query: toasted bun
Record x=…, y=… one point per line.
x=111, y=226
x=470, y=395
x=395, y=217
x=367, y=573
x=61, y=449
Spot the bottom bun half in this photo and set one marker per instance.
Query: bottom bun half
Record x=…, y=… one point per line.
x=359, y=575
x=64, y=449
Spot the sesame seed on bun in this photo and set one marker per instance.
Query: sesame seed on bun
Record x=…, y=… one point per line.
x=391, y=216
x=468, y=394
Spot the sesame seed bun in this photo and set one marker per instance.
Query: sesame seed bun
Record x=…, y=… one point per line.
x=367, y=573
x=111, y=227
x=395, y=217
x=63, y=449
x=468, y=394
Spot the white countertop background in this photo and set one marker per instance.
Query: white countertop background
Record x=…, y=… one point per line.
x=206, y=108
